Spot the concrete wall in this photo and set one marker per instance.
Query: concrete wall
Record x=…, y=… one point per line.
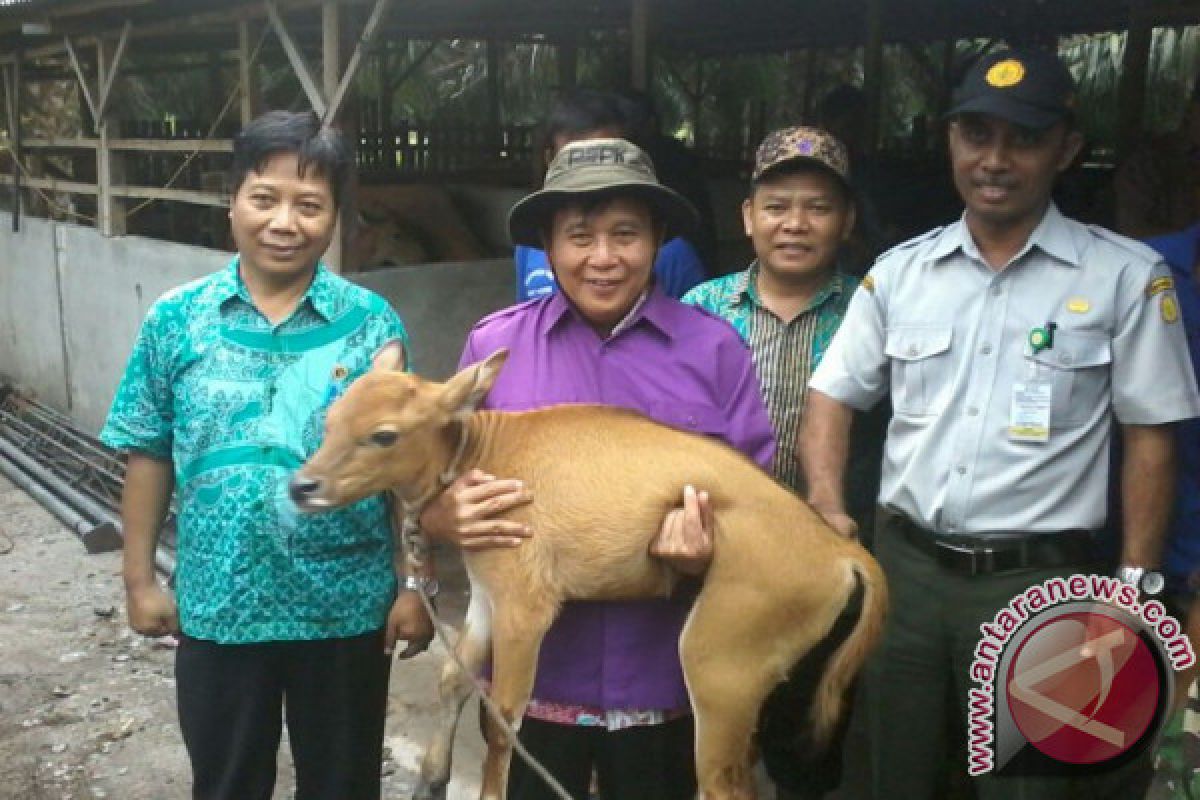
x=440, y=302
x=69, y=313
x=108, y=284
x=31, y=343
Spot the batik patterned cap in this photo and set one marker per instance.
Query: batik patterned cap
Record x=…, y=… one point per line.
x=802, y=143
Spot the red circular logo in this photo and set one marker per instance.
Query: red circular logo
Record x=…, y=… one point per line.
x=1083, y=688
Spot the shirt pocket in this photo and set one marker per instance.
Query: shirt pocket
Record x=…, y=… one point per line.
x=690, y=417
x=921, y=368
x=354, y=532
x=1078, y=368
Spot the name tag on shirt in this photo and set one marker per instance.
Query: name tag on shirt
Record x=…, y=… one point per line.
x=1029, y=420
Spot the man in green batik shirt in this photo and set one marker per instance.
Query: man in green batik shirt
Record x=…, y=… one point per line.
x=786, y=306
x=223, y=398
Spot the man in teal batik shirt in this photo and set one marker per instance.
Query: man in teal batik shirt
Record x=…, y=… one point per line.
x=223, y=398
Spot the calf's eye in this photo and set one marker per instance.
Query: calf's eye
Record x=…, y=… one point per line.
x=384, y=438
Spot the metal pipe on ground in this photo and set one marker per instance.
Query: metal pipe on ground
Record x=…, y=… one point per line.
x=93, y=535
x=49, y=427
x=76, y=469
x=44, y=481
x=47, y=478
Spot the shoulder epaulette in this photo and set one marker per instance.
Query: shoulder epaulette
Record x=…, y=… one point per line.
x=909, y=244
x=1132, y=246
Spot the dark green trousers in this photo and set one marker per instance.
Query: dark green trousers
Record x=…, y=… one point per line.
x=917, y=681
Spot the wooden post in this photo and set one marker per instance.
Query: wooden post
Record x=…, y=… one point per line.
x=1131, y=92
x=639, y=27
x=315, y=98
x=246, y=74
x=873, y=74
x=331, y=68
x=110, y=166
x=14, y=113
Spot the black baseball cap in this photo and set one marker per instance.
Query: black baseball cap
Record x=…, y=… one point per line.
x=1027, y=87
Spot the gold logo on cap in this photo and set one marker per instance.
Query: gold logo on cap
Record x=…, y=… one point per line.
x=1003, y=74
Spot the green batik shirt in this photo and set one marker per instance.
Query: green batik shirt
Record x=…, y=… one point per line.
x=238, y=404
x=784, y=353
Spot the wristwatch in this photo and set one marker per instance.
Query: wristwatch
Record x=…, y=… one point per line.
x=422, y=583
x=1149, y=582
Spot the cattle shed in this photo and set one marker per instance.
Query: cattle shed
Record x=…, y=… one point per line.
x=75, y=281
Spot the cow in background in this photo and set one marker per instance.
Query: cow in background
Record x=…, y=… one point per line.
x=408, y=224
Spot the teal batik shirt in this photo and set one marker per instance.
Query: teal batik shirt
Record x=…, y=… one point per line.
x=785, y=353
x=238, y=404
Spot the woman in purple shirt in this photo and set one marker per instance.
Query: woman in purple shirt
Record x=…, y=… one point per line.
x=609, y=694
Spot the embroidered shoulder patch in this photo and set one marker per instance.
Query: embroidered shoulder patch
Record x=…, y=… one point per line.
x=868, y=283
x=1159, y=285
x=1169, y=309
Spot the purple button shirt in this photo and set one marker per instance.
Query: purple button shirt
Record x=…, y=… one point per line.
x=674, y=363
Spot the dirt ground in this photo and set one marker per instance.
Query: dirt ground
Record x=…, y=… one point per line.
x=87, y=707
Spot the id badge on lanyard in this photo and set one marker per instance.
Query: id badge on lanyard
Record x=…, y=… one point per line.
x=1032, y=399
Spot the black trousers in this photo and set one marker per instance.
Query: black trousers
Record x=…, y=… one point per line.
x=233, y=700
x=647, y=762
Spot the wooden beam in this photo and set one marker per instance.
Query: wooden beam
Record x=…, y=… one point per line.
x=413, y=67
x=219, y=200
x=102, y=100
x=1131, y=91
x=173, y=145
x=83, y=83
x=62, y=143
x=15, y=138
x=873, y=74
x=331, y=67
x=10, y=108
x=364, y=43
x=639, y=28
x=296, y=58
x=110, y=211
x=51, y=185
x=246, y=82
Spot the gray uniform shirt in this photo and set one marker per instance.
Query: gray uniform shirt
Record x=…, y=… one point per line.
x=950, y=339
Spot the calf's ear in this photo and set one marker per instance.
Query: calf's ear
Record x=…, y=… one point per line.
x=463, y=393
x=391, y=357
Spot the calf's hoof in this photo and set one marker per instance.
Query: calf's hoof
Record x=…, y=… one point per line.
x=430, y=790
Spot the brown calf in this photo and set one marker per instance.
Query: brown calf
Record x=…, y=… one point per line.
x=602, y=480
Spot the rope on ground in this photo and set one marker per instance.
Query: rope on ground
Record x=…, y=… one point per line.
x=492, y=709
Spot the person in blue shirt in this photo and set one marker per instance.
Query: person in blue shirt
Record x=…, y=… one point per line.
x=588, y=114
x=1181, y=561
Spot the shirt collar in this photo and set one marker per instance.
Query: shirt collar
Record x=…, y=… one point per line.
x=654, y=308
x=321, y=293
x=745, y=287
x=1052, y=236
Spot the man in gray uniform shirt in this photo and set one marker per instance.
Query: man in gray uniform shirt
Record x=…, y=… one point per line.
x=1008, y=341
